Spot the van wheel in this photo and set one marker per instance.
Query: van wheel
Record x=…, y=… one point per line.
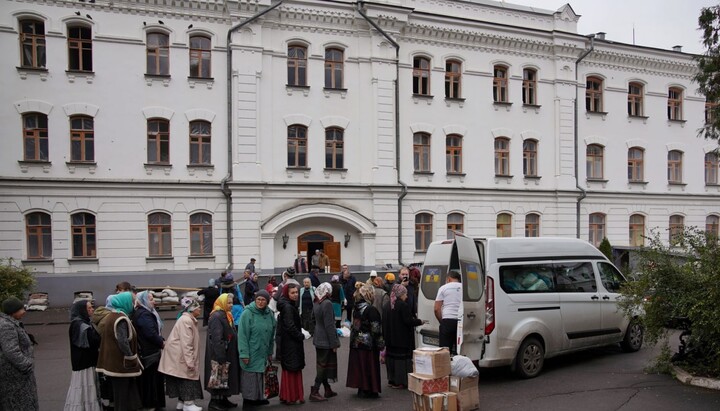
x=633, y=339
x=530, y=358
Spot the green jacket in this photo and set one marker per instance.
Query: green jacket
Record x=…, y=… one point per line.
x=256, y=337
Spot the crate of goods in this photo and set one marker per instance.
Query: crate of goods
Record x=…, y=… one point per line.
x=38, y=301
x=82, y=295
x=431, y=362
x=439, y=401
x=420, y=384
x=468, y=395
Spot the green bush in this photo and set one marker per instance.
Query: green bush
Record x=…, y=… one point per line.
x=15, y=280
x=606, y=248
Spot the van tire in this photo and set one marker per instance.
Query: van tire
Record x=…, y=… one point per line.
x=529, y=359
x=633, y=339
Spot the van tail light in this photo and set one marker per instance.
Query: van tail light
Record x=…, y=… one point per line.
x=489, y=306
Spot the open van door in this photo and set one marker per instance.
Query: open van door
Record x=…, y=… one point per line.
x=460, y=254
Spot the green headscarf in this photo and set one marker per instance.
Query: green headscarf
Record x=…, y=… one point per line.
x=123, y=302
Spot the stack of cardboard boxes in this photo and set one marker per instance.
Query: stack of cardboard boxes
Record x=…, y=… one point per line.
x=434, y=389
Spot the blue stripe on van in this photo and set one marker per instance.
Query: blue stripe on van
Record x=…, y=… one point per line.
x=593, y=333
x=539, y=308
x=548, y=258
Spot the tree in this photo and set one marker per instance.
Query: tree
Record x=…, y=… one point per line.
x=708, y=76
x=15, y=280
x=606, y=248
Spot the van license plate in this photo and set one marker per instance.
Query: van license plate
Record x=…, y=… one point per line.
x=431, y=340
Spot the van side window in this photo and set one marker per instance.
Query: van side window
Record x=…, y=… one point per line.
x=531, y=278
x=611, y=278
x=472, y=281
x=575, y=277
x=432, y=278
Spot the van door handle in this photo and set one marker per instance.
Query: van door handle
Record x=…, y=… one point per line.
x=471, y=315
x=605, y=297
x=594, y=297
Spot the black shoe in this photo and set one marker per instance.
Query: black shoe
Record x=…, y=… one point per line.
x=225, y=402
x=216, y=406
x=262, y=402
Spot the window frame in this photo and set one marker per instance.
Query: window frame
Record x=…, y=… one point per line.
x=502, y=156
x=201, y=142
x=594, y=94
x=160, y=140
x=503, y=228
x=636, y=230
x=36, y=41
x=675, y=104
x=529, y=86
x=335, y=68
x=636, y=164
x=39, y=234
x=86, y=232
x=85, y=137
x=712, y=226
x=78, y=46
x=38, y=136
x=202, y=54
x=635, y=99
x=453, y=79
x=157, y=53
x=530, y=157
x=422, y=159
x=159, y=232
x=421, y=70
x=712, y=164
x=334, y=148
x=455, y=222
x=676, y=226
x=453, y=153
x=294, y=144
x=710, y=110
x=532, y=227
x=675, y=167
x=501, y=89
x=203, y=229
x=297, y=65
x=593, y=159
x=596, y=228
x=423, y=231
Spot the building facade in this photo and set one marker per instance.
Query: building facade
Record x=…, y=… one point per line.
x=169, y=140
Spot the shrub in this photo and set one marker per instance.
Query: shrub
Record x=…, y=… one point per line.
x=15, y=280
x=606, y=248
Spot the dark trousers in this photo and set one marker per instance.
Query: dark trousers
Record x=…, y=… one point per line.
x=349, y=309
x=448, y=334
x=308, y=321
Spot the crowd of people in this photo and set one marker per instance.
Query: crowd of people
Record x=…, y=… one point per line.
x=121, y=361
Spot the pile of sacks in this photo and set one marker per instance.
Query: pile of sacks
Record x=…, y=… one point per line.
x=439, y=384
x=83, y=295
x=166, y=297
x=38, y=302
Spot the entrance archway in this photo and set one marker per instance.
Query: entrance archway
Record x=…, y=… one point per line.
x=319, y=240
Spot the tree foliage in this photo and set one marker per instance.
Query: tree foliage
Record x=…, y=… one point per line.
x=708, y=76
x=15, y=280
x=682, y=281
x=606, y=248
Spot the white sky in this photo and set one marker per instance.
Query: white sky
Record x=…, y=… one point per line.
x=658, y=23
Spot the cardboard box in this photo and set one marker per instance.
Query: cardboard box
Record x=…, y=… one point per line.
x=431, y=362
x=468, y=394
x=420, y=384
x=439, y=401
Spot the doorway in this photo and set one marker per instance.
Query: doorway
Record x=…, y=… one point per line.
x=318, y=240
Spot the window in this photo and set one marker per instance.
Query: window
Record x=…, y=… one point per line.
x=530, y=164
x=334, y=152
x=529, y=87
x=32, y=43
x=421, y=152
x=504, y=225
x=35, y=137
x=158, y=146
x=675, y=158
x=532, y=225
x=712, y=226
x=575, y=278
x=201, y=234
x=423, y=231
x=200, y=142
x=80, y=48
x=710, y=112
x=677, y=225
x=635, y=164
x=297, y=66
x=674, y=108
x=39, y=236
x=82, y=139
x=297, y=145
x=502, y=156
x=593, y=95
x=500, y=84
x=596, y=228
x=333, y=68
x=527, y=278
x=452, y=79
x=611, y=278
x=637, y=230
x=421, y=76
x=711, y=168
x=200, y=57
x=158, y=54
x=455, y=222
x=594, y=160
x=159, y=235
x=635, y=99
x=83, y=236
x=453, y=153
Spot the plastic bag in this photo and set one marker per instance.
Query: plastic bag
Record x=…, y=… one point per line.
x=305, y=333
x=462, y=366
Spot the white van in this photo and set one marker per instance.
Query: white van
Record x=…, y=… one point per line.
x=543, y=297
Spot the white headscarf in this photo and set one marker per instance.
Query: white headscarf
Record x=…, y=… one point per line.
x=323, y=290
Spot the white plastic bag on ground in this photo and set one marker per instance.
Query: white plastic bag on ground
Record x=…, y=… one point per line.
x=461, y=366
x=305, y=333
x=344, y=332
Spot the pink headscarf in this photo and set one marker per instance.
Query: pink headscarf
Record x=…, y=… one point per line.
x=398, y=291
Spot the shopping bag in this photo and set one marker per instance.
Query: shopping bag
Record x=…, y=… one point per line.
x=218, y=375
x=272, y=386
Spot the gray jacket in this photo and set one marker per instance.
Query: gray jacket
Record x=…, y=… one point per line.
x=325, y=336
x=18, y=389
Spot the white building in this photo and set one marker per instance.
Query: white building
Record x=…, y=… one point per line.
x=364, y=129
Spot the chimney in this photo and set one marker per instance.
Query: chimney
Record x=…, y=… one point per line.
x=600, y=35
x=677, y=48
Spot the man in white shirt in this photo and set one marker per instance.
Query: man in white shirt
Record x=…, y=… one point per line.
x=447, y=306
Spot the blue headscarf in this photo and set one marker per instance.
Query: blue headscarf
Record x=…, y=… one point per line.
x=122, y=302
x=143, y=300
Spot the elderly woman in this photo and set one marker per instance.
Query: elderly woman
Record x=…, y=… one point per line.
x=18, y=390
x=291, y=348
x=83, y=393
x=180, y=362
x=221, y=347
x=256, y=339
x=326, y=343
x=366, y=342
x=337, y=297
x=149, y=326
x=398, y=331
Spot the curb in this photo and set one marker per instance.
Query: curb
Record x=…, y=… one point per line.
x=704, y=382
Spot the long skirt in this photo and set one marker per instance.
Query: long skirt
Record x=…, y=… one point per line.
x=151, y=385
x=326, y=365
x=84, y=391
x=183, y=389
x=399, y=364
x=364, y=370
x=125, y=392
x=252, y=385
x=291, y=386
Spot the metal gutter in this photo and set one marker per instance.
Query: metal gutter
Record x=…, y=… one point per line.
x=583, y=193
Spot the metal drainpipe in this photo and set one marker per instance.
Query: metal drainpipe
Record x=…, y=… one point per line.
x=397, y=123
x=583, y=193
x=227, y=192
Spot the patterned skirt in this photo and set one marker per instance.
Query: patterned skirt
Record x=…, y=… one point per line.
x=183, y=389
x=326, y=365
x=84, y=391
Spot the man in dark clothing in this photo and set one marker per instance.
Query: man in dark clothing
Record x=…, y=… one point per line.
x=251, y=265
x=347, y=280
x=314, y=279
x=211, y=294
x=251, y=288
x=300, y=264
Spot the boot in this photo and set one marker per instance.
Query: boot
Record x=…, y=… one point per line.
x=329, y=393
x=315, y=395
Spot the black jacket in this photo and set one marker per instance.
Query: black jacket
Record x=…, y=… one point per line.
x=398, y=326
x=149, y=339
x=289, y=337
x=82, y=358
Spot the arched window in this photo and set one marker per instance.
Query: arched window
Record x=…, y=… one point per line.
x=453, y=153
x=637, y=230
x=82, y=139
x=334, y=148
x=158, y=54
x=532, y=225
x=421, y=152
x=502, y=156
x=635, y=99
x=594, y=161
x=35, y=137
x=455, y=222
x=200, y=57
x=80, y=56
x=675, y=103
x=32, y=43
x=676, y=227
x=423, y=231
x=200, y=135
x=39, y=236
x=159, y=235
x=297, y=65
x=596, y=228
x=504, y=225
x=84, y=244
x=529, y=86
x=297, y=145
x=334, y=62
x=500, y=84
x=674, y=167
x=594, y=94
x=636, y=164
x=711, y=169
x=530, y=158
x=421, y=76
x=158, y=141
x=201, y=234
x=453, y=77
x=712, y=226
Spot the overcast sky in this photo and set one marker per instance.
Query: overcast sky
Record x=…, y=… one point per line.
x=658, y=23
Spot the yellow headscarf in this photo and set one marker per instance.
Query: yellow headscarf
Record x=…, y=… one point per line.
x=223, y=304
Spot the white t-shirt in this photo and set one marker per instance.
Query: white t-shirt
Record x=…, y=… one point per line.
x=451, y=296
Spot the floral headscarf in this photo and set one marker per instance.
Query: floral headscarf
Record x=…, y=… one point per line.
x=143, y=300
x=323, y=291
x=122, y=302
x=188, y=305
x=368, y=293
x=223, y=303
x=398, y=291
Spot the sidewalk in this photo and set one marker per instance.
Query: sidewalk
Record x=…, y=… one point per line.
x=54, y=316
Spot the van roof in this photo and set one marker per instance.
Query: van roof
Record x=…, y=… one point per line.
x=531, y=247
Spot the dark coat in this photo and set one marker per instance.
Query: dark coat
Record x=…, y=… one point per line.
x=82, y=358
x=221, y=346
x=349, y=289
x=366, y=332
x=211, y=294
x=398, y=326
x=18, y=389
x=290, y=338
x=251, y=287
x=325, y=336
x=149, y=339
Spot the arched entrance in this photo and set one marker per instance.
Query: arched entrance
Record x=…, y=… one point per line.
x=319, y=240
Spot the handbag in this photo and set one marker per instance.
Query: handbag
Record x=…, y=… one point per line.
x=150, y=360
x=218, y=375
x=272, y=386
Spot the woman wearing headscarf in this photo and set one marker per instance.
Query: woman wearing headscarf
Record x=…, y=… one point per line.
x=256, y=339
x=84, y=391
x=118, y=358
x=290, y=346
x=221, y=346
x=366, y=342
x=271, y=285
x=18, y=389
x=180, y=361
x=337, y=298
x=398, y=330
x=149, y=326
x=326, y=343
